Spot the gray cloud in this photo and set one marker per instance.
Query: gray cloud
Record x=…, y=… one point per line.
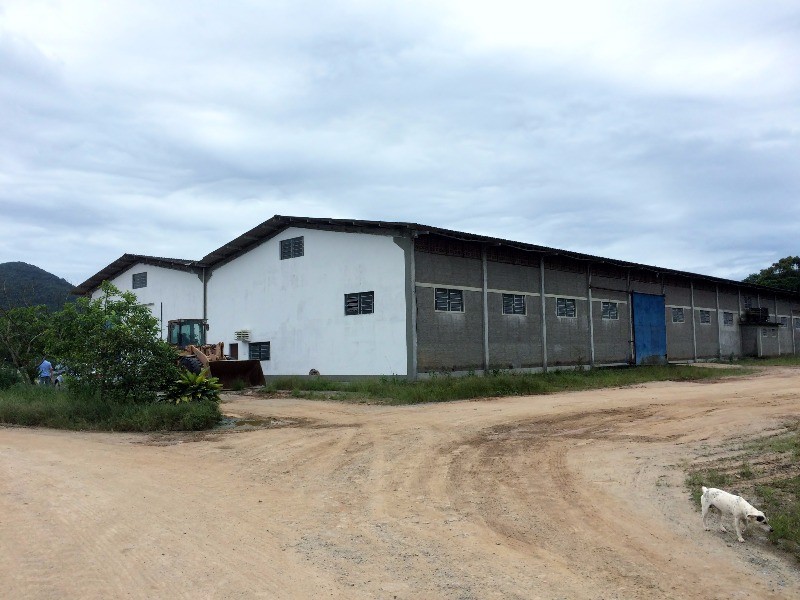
x=667, y=134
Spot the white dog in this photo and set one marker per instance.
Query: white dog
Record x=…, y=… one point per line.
x=735, y=506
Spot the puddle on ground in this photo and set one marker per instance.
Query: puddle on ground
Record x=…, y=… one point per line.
x=248, y=423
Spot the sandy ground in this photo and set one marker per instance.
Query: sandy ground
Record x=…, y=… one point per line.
x=565, y=496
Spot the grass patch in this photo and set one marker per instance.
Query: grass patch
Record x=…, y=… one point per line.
x=773, y=486
x=441, y=388
x=710, y=478
x=59, y=409
x=788, y=360
x=788, y=442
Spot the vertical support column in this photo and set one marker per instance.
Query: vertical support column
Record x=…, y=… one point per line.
x=739, y=321
x=719, y=327
x=631, y=341
x=777, y=320
x=791, y=325
x=544, y=315
x=591, y=315
x=485, y=312
x=694, y=329
x=205, y=295
x=407, y=243
x=413, y=302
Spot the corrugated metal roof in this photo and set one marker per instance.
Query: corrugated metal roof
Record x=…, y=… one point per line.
x=125, y=262
x=272, y=227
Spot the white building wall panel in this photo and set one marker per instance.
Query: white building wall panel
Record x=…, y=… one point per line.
x=169, y=294
x=297, y=304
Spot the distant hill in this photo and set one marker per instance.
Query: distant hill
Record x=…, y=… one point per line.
x=22, y=284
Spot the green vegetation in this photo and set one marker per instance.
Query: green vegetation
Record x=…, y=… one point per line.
x=8, y=376
x=440, y=388
x=787, y=360
x=111, y=347
x=33, y=405
x=709, y=478
x=191, y=387
x=784, y=274
x=767, y=473
x=23, y=335
x=23, y=285
x=119, y=375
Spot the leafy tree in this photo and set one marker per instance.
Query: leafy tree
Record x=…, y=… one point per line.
x=784, y=274
x=23, y=334
x=110, y=346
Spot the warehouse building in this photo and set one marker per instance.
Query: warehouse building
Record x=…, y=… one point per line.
x=350, y=298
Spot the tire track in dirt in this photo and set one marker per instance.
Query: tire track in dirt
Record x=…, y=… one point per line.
x=547, y=497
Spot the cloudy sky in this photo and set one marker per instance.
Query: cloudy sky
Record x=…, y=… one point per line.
x=663, y=132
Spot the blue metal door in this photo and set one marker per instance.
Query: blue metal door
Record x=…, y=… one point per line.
x=649, y=329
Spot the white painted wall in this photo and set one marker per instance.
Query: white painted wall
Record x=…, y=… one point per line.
x=178, y=293
x=297, y=304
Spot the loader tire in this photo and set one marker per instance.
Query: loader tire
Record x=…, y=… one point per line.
x=191, y=364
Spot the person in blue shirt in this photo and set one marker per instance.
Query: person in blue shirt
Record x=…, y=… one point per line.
x=45, y=372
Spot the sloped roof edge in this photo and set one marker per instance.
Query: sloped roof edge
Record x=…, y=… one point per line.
x=126, y=261
x=273, y=226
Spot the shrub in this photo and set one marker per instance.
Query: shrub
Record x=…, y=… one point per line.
x=191, y=387
x=8, y=376
x=111, y=346
x=47, y=407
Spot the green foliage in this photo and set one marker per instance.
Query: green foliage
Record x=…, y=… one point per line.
x=191, y=387
x=695, y=480
x=774, y=488
x=110, y=346
x=22, y=285
x=47, y=407
x=784, y=274
x=786, y=360
x=8, y=376
x=23, y=336
x=439, y=388
x=238, y=385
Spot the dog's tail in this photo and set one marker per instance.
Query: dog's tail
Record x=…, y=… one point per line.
x=705, y=489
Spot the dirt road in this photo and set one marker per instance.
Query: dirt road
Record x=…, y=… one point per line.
x=564, y=496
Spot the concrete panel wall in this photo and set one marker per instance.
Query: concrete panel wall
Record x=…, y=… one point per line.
x=569, y=284
x=796, y=333
x=784, y=316
x=611, y=336
x=769, y=341
x=515, y=341
x=645, y=286
x=730, y=335
x=567, y=337
x=449, y=341
x=680, y=339
x=705, y=301
x=514, y=278
x=445, y=270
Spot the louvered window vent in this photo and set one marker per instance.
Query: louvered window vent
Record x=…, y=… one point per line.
x=243, y=335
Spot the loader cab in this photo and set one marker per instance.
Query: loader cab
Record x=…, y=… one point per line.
x=183, y=332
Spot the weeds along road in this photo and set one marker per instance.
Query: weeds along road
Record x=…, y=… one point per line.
x=574, y=495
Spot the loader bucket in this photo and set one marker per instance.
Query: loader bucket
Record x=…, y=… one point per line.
x=229, y=371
